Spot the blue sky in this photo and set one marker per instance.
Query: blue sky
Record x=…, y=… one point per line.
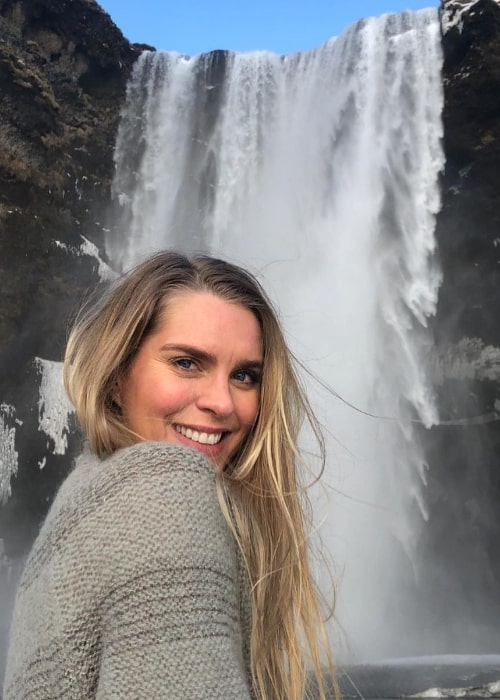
x=282, y=26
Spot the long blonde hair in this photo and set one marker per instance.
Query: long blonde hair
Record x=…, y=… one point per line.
x=268, y=515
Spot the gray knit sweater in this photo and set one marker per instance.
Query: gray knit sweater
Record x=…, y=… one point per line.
x=134, y=588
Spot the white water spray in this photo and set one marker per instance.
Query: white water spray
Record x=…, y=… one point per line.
x=318, y=170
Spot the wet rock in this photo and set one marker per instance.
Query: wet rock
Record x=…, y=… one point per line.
x=64, y=67
x=463, y=491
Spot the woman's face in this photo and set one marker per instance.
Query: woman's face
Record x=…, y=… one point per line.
x=195, y=381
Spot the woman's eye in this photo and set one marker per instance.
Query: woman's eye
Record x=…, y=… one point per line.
x=184, y=363
x=246, y=376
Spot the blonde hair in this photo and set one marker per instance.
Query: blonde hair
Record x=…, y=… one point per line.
x=267, y=505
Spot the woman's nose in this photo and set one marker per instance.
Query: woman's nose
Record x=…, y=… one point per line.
x=215, y=396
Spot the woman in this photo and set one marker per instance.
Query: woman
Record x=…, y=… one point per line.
x=142, y=582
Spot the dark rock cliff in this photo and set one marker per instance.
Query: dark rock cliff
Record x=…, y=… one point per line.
x=64, y=67
x=464, y=451
x=63, y=73
x=469, y=224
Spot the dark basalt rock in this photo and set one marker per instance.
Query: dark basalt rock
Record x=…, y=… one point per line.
x=64, y=67
x=461, y=579
x=469, y=224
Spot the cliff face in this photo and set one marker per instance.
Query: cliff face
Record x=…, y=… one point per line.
x=469, y=224
x=463, y=452
x=63, y=73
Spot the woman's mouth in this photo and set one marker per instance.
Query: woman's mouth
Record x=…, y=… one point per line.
x=198, y=436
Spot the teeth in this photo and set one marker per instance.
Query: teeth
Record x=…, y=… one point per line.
x=203, y=438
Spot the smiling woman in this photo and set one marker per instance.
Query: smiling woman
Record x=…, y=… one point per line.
x=196, y=379
x=158, y=573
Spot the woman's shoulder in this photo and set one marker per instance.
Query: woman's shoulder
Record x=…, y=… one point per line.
x=131, y=540
x=145, y=465
x=136, y=460
x=161, y=462
x=150, y=500
x=151, y=484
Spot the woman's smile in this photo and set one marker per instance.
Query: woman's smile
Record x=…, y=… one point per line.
x=204, y=438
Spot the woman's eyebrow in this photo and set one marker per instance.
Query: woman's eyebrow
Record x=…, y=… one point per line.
x=252, y=364
x=190, y=350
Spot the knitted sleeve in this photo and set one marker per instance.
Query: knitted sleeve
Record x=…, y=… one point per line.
x=132, y=588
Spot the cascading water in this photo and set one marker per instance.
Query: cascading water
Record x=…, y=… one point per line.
x=319, y=172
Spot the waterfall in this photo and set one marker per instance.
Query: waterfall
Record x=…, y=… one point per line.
x=319, y=172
